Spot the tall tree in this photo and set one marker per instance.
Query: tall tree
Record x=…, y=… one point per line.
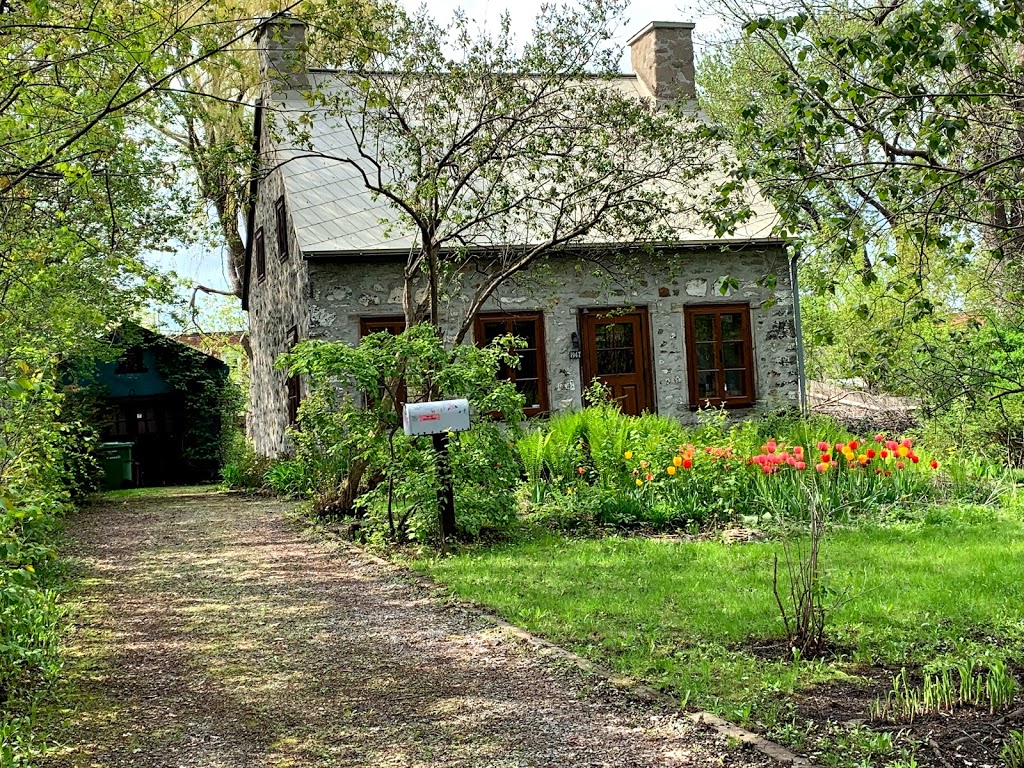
x=493, y=154
x=902, y=119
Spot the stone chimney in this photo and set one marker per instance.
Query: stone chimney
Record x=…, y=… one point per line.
x=662, y=57
x=281, y=42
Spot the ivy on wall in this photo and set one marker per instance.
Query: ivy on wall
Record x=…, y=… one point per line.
x=211, y=400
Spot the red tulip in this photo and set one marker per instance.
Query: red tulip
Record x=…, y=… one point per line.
x=914, y=458
x=853, y=445
x=687, y=463
x=871, y=453
x=934, y=464
x=884, y=454
x=826, y=458
x=823, y=446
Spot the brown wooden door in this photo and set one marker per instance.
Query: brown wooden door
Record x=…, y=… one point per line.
x=617, y=352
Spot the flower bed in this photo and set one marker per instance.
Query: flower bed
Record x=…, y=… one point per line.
x=623, y=470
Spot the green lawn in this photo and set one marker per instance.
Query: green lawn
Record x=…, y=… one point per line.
x=159, y=492
x=685, y=615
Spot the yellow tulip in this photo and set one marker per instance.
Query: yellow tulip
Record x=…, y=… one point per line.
x=678, y=461
x=671, y=470
x=628, y=455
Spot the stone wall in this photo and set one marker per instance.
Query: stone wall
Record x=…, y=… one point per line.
x=344, y=292
x=276, y=305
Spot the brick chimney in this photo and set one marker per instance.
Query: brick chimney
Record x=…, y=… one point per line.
x=281, y=42
x=662, y=57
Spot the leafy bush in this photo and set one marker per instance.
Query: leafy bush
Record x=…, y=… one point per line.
x=972, y=380
x=288, y=477
x=350, y=448
x=243, y=468
x=37, y=461
x=79, y=465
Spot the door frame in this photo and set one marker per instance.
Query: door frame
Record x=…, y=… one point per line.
x=645, y=356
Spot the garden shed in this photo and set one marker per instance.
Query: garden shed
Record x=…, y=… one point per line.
x=166, y=399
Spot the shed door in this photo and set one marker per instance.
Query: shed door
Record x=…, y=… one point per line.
x=617, y=352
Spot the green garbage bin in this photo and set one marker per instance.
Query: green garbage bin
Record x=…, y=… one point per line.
x=116, y=460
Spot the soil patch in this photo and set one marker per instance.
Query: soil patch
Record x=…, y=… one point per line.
x=965, y=736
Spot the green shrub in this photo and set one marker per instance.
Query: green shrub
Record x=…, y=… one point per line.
x=351, y=450
x=243, y=468
x=289, y=477
x=78, y=464
x=37, y=462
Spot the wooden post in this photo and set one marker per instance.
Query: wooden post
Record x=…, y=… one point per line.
x=445, y=491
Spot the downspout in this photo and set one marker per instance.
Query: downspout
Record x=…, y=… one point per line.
x=795, y=284
x=254, y=186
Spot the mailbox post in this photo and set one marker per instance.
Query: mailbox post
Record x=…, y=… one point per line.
x=437, y=419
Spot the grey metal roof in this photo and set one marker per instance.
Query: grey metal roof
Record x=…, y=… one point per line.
x=333, y=213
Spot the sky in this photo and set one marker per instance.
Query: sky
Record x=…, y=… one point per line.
x=205, y=265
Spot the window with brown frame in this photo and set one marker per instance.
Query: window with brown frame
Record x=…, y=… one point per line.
x=293, y=385
x=261, y=256
x=720, y=355
x=393, y=325
x=282, y=230
x=530, y=377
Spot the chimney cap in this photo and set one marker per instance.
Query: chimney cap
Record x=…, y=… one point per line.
x=660, y=25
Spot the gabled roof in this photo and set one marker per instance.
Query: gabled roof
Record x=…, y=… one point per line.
x=334, y=215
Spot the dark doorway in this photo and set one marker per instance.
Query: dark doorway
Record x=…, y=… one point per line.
x=154, y=426
x=617, y=352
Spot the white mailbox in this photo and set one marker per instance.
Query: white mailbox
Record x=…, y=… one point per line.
x=436, y=418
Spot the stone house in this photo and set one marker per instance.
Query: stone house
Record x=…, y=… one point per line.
x=695, y=325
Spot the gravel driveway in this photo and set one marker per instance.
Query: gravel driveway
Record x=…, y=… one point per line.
x=210, y=632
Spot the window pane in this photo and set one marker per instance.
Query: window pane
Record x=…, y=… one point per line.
x=527, y=365
x=732, y=354
x=735, y=383
x=612, y=361
x=732, y=326
x=707, y=384
x=493, y=330
x=705, y=357
x=623, y=335
x=527, y=330
x=605, y=336
x=703, y=328
x=528, y=389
